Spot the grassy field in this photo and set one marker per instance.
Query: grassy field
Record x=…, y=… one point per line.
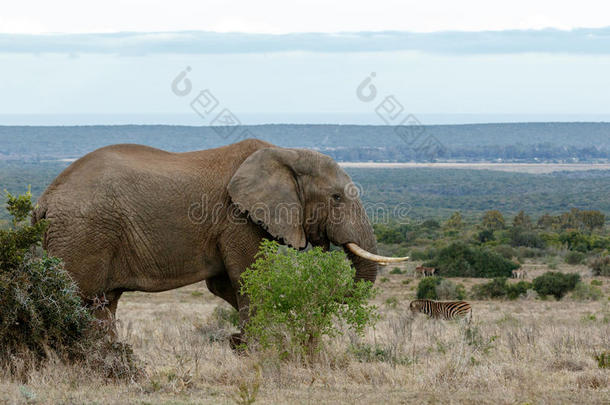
x=513, y=352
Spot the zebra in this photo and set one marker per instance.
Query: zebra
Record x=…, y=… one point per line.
x=442, y=309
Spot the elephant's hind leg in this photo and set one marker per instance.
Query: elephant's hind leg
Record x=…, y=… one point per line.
x=104, y=310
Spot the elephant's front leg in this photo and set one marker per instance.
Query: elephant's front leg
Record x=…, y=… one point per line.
x=221, y=286
x=238, y=249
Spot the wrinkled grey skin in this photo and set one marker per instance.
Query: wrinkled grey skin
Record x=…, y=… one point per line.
x=135, y=218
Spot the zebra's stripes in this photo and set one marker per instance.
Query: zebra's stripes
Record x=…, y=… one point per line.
x=442, y=309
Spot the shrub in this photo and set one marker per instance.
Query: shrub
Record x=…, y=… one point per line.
x=526, y=252
x=601, y=266
x=521, y=237
x=555, y=284
x=40, y=309
x=396, y=270
x=574, y=257
x=575, y=240
x=506, y=251
x=500, y=288
x=597, y=283
x=584, y=292
x=426, y=289
x=296, y=297
x=448, y=290
x=486, y=235
x=515, y=290
x=495, y=288
x=462, y=260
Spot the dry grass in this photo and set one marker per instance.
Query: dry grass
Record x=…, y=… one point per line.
x=513, y=353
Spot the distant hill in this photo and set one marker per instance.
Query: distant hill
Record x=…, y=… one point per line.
x=529, y=142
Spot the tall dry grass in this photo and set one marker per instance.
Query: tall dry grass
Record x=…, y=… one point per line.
x=524, y=351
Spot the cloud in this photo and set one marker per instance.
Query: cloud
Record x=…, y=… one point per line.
x=577, y=41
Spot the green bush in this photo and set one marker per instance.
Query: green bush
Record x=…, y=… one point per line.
x=506, y=251
x=448, y=290
x=601, y=266
x=396, y=270
x=555, y=284
x=495, y=288
x=597, y=283
x=527, y=252
x=486, y=235
x=584, y=292
x=574, y=258
x=576, y=241
x=296, y=298
x=500, y=288
x=515, y=290
x=461, y=260
x=526, y=238
x=426, y=289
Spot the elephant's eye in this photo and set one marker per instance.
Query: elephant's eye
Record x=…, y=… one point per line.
x=336, y=197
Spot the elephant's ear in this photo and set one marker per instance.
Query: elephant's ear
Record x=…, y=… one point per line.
x=265, y=186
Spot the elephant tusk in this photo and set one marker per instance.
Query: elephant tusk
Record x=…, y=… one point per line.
x=358, y=251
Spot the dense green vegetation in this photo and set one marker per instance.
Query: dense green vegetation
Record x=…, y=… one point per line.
x=433, y=193
x=493, y=246
x=425, y=193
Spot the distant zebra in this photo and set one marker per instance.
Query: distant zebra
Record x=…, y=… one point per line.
x=442, y=309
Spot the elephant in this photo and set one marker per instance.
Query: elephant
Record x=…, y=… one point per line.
x=134, y=218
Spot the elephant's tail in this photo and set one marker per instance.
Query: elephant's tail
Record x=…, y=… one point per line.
x=39, y=212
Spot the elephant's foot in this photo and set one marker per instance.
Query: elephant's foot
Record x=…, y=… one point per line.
x=237, y=343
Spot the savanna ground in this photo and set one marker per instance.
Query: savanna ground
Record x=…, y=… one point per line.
x=514, y=352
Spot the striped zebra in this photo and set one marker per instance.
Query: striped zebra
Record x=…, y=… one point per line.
x=442, y=309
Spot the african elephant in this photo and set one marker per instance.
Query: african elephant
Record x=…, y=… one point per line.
x=131, y=217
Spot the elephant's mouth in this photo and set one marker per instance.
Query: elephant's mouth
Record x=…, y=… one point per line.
x=358, y=251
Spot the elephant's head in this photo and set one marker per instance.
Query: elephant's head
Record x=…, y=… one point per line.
x=302, y=196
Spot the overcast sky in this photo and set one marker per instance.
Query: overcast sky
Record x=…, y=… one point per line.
x=302, y=61
x=265, y=16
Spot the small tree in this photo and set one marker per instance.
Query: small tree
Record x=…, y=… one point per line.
x=296, y=297
x=592, y=219
x=555, y=283
x=455, y=221
x=493, y=220
x=522, y=220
